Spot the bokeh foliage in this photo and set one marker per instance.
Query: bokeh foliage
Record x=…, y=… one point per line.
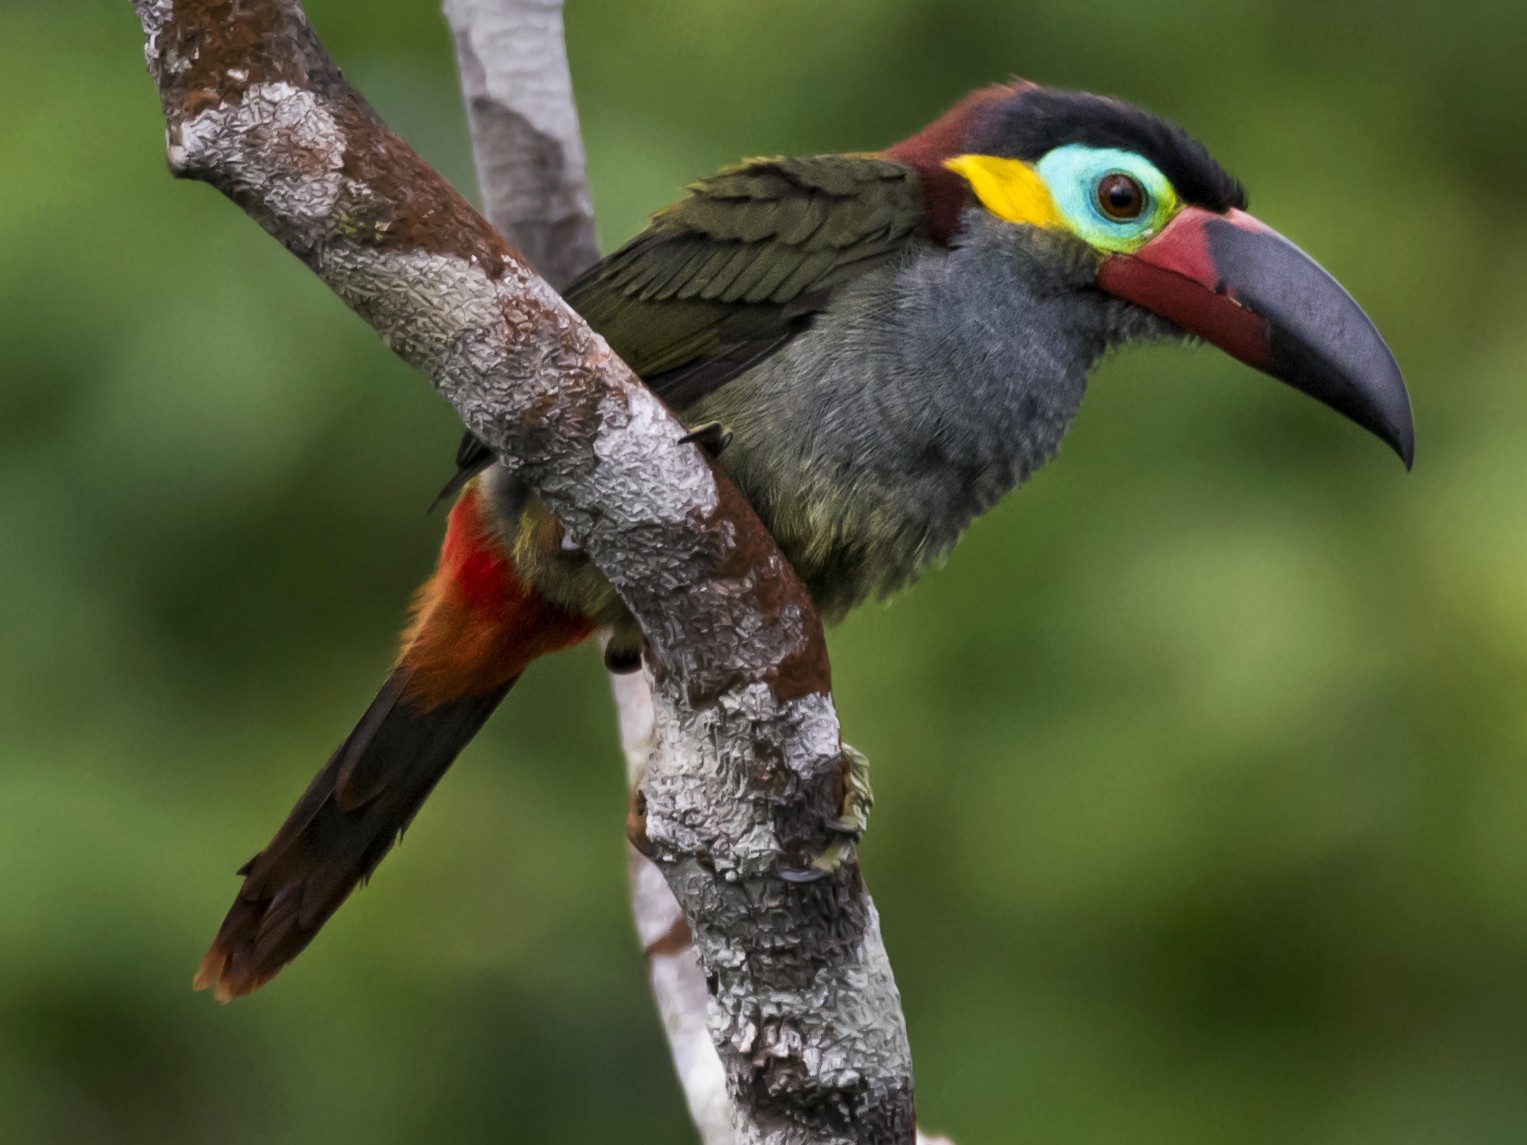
x=1200, y=768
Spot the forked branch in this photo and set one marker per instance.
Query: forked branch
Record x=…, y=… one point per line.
x=746, y=752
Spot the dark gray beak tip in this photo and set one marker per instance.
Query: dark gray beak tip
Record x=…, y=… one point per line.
x=1342, y=361
x=1406, y=448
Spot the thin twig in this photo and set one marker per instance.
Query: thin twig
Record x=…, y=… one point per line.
x=512, y=55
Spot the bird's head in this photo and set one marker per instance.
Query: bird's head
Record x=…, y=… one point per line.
x=1159, y=224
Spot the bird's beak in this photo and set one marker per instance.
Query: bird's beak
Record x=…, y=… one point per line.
x=1240, y=285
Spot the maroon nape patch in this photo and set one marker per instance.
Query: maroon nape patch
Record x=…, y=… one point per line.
x=945, y=193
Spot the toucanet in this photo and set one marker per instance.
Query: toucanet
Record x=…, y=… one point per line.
x=877, y=347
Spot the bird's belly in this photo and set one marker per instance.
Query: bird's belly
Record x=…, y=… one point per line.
x=851, y=533
x=861, y=506
x=852, y=529
x=861, y=533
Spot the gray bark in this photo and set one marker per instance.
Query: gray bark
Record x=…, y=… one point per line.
x=678, y=979
x=525, y=137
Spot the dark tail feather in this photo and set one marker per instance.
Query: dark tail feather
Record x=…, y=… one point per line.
x=349, y=817
x=472, y=457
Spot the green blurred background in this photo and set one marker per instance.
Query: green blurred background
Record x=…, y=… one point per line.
x=1200, y=768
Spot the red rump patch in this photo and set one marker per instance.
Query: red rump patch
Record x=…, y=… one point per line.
x=476, y=624
x=945, y=193
x=474, y=563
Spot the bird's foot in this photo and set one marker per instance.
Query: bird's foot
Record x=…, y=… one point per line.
x=713, y=437
x=854, y=806
x=847, y=827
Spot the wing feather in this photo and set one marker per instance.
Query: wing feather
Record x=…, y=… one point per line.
x=730, y=274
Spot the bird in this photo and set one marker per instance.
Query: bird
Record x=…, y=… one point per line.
x=876, y=347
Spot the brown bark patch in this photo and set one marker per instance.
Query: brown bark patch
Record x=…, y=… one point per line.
x=264, y=41
x=675, y=940
x=779, y=599
x=411, y=207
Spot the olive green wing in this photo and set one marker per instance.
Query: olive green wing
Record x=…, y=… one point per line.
x=730, y=274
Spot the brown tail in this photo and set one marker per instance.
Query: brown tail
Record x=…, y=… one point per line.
x=476, y=627
x=338, y=832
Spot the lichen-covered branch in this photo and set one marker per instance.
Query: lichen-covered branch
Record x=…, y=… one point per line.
x=747, y=757
x=673, y=964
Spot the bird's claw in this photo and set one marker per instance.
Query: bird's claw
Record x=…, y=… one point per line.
x=801, y=876
x=849, y=824
x=713, y=437
x=853, y=817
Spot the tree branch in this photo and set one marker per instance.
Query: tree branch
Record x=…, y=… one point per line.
x=512, y=56
x=678, y=980
x=747, y=757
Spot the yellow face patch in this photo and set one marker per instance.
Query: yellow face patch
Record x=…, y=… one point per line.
x=1009, y=189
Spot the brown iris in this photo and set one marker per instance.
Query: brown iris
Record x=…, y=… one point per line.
x=1120, y=197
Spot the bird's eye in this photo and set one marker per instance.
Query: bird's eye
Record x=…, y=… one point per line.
x=1120, y=197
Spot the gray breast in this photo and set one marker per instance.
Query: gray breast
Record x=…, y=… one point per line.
x=926, y=393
